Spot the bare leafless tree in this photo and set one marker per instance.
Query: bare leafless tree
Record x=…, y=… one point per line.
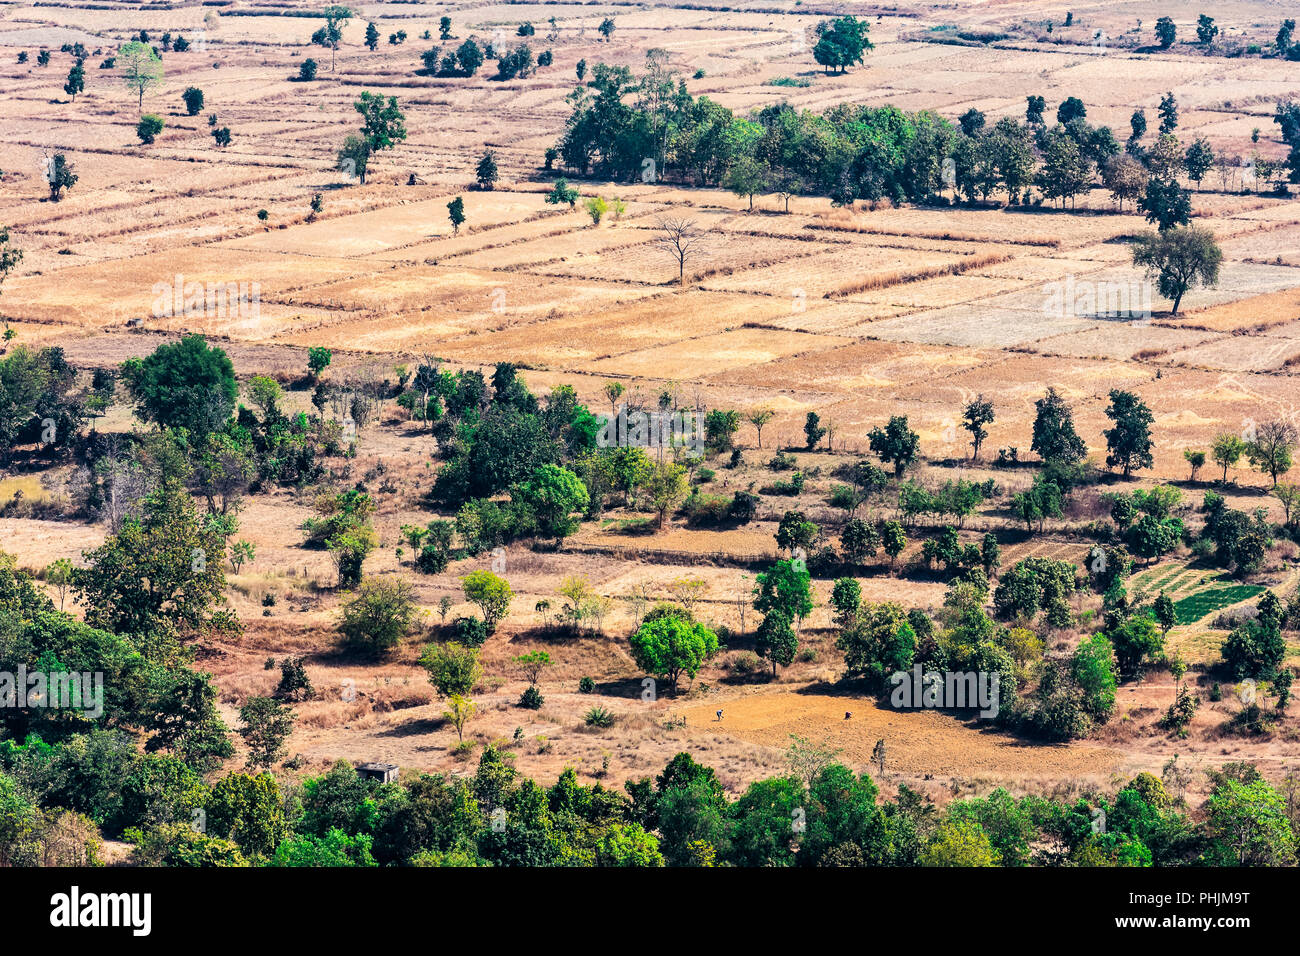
x=683, y=238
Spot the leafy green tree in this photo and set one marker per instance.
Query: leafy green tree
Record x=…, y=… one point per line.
x=160, y=578
x=354, y=157
x=1166, y=204
x=1249, y=825
x=785, y=587
x=960, y=843
x=977, y=413
x=142, y=69
x=486, y=173
x=880, y=641
x=896, y=444
x=491, y=593
x=150, y=125
x=184, y=384
x=1166, y=32
x=266, y=726
x=1129, y=442
x=1227, y=451
x=453, y=668
x=379, y=614
x=672, y=645
x=841, y=43
x=554, y=494
x=1166, y=616
x=318, y=359
x=1055, y=439
x=456, y=213
x=383, y=125
x=1271, y=450
x=372, y=37
x=666, y=485
x=562, y=192
x=776, y=640
x=1179, y=258
x=893, y=540
x=813, y=430
x=76, y=81
x=331, y=35
x=193, y=97
x=1137, y=642
x=249, y=811
x=1093, y=671
x=469, y=57
x=628, y=845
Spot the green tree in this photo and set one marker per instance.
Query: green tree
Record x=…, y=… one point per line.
x=378, y=614
x=977, y=413
x=880, y=641
x=1128, y=443
x=896, y=444
x=161, y=577
x=1227, y=451
x=266, y=726
x=469, y=57
x=1179, y=259
x=76, y=81
x=149, y=127
x=1249, y=825
x=318, y=359
x=331, y=35
x=142, y=69
x=372, y=37
x=453, y=668
x=784, y=588
x=775, y=640
x=1271, y=449
x=1137, y=642
x=562, y=192
x=491, y=593
x=354, y=157
x=672, y=645
x=1166, y=616
x=193, y=97
x=486, y=172
x=960, y=843
x=841, y=43
x=456, y=213
x=666, y=485
x=383, y=125
x=1055, y=439
x=554, y=494
x=1166, y=32
x=184, y=384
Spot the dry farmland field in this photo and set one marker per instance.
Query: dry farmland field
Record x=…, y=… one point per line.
x=855, y=311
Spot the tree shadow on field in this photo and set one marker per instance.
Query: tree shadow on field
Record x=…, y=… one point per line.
x=628, y=687
x=415, y=728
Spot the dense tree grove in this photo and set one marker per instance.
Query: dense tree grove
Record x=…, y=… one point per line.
x=627, y=126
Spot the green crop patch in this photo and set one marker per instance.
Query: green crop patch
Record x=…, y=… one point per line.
x=1196, y=606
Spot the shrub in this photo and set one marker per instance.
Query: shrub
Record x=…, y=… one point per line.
x=599, y=717
x=470, y=631
x=586, y=686
x=379, y=614
x=150, y=125
x=531, y=698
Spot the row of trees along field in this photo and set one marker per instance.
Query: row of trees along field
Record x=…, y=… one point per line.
x=850, y=153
